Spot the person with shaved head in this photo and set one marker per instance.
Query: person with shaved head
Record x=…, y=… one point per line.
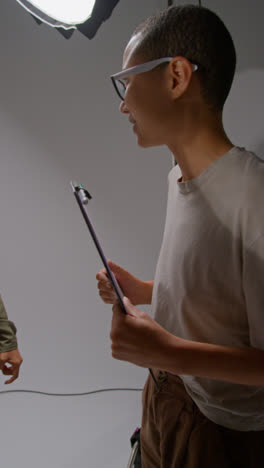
x=205, y=342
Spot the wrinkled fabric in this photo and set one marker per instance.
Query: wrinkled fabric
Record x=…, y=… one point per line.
x=175, y=434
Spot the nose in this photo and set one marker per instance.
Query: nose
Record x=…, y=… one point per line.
x=123, y=108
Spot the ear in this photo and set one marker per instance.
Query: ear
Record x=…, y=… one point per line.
x=181, y=71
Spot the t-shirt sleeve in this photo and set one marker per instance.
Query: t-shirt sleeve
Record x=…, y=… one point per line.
x=8, y=341
x=253, y=281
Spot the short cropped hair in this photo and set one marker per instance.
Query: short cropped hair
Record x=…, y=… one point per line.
x=198, y=34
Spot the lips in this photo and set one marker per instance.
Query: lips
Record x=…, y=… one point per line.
x=131, y=121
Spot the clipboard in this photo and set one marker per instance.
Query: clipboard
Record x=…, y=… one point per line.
x=82, y=197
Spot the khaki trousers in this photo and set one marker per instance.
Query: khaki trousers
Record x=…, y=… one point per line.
x=175, y=434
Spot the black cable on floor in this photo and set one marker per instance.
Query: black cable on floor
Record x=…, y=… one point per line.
x=74, y=394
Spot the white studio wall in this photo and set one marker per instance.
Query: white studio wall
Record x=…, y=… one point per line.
x=59, y=121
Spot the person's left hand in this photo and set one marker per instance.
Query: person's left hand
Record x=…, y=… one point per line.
x=14, y=359
x=139, y=339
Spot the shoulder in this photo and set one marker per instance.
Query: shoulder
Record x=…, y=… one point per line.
x=243, y=172
x=251, y=172
x=245, y=163
x=250, y=162
x=250, y=183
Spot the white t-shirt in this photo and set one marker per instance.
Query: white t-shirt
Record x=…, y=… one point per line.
x=209, y=281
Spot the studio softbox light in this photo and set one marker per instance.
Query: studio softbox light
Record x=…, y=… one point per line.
x=68, y=15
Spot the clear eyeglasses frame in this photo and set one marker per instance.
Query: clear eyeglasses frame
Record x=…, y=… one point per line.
x=119, y=79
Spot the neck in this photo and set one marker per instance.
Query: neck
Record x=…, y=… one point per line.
x=199, y=147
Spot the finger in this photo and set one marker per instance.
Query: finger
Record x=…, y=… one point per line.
x=130, y=308
x=116, y=307
x=15, y=375
x=102, y=274
x=104, y=285
x=11, y=380
x=115, y=267
x=108, y=298
x=104, y=282
x=7, y=370
x=107, y=295
x=109, y=301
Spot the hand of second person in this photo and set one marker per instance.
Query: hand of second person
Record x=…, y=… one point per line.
x=137, y=338
x=14, y=359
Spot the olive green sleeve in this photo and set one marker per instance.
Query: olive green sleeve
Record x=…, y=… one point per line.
x=8, y=341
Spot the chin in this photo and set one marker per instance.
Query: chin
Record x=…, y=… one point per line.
x=147, y=141
x=144, y=143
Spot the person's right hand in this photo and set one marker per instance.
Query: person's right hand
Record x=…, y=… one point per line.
x=138, y=292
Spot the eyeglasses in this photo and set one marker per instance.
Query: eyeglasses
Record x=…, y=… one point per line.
x=119, y=79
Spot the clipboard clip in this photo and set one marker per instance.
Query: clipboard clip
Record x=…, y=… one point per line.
x=84, y=194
